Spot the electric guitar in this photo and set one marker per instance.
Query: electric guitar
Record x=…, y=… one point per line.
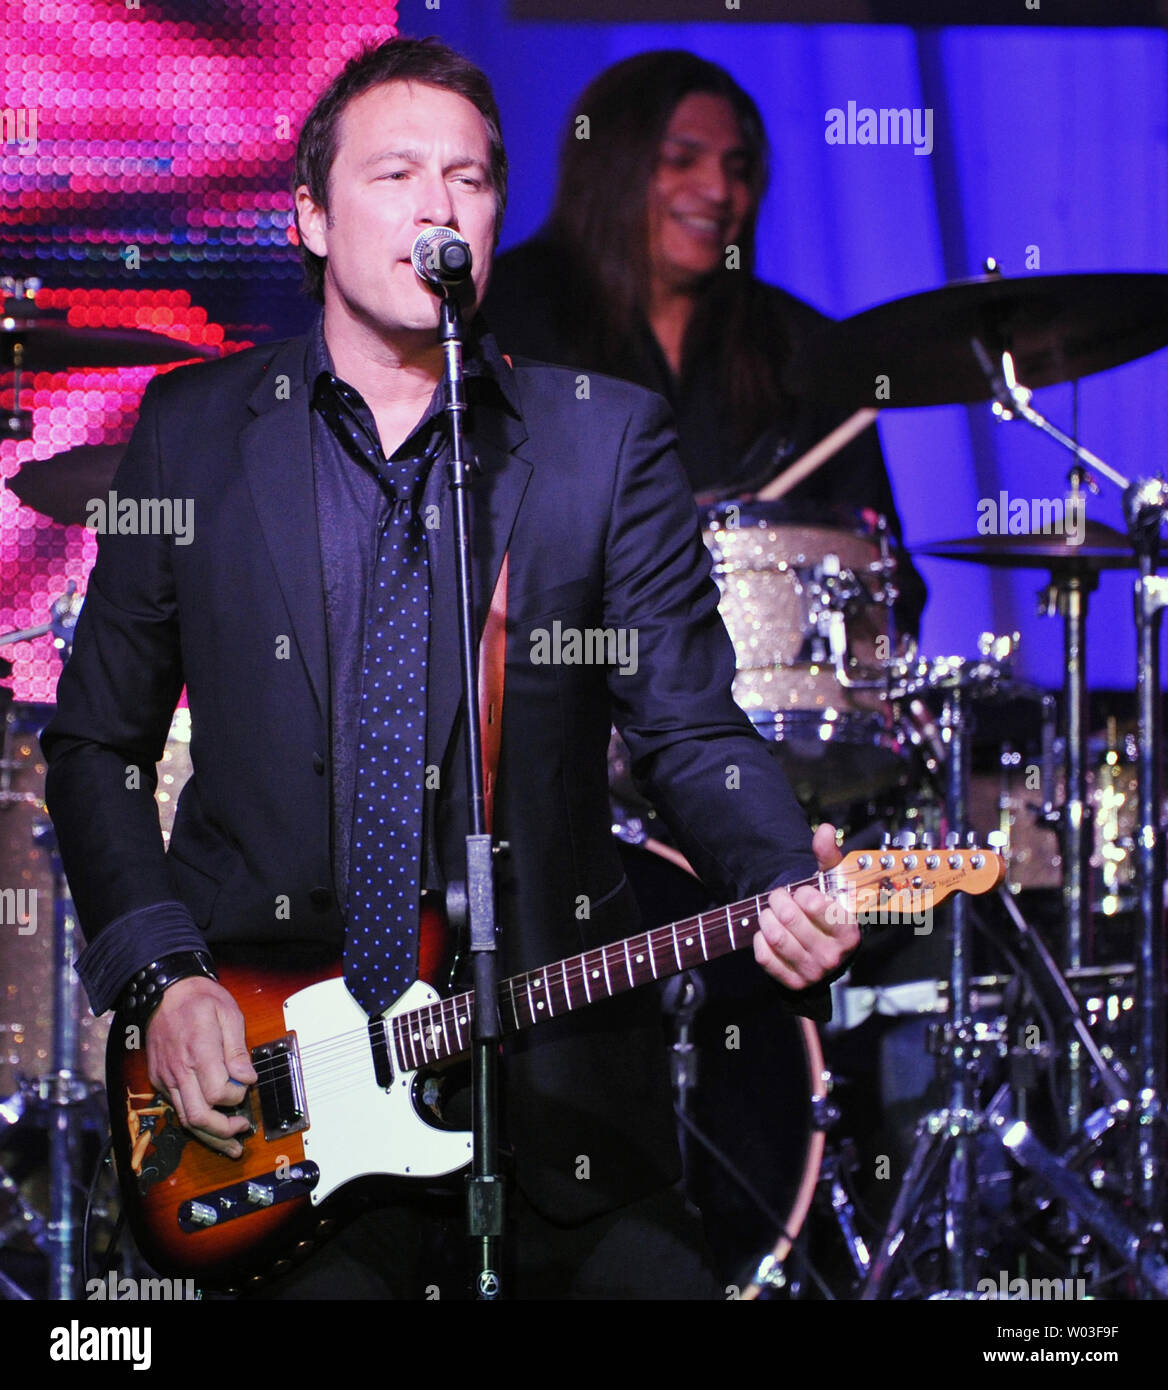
x=341, y=1097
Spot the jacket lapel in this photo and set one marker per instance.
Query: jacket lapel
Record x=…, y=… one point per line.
x=277, y=458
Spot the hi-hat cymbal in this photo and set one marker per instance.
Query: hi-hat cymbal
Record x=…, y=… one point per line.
x=1102, y=547
x=51, y=345
x=1058, y=327
x=62, y=486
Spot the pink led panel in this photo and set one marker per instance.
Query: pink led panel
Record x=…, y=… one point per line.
x=140, y=144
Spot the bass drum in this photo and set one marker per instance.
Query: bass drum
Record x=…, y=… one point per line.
x=760, y=1072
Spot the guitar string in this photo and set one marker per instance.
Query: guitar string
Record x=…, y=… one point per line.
x=578, y=970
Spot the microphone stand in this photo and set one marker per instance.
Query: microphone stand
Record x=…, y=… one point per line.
x=477, y=897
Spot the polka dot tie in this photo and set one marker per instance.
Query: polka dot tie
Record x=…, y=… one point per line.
x=381, y=934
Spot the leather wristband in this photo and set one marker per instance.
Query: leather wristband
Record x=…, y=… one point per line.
x=146, y=987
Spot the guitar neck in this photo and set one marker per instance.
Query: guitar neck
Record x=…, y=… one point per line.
x=903, y=880
x=432, y=1034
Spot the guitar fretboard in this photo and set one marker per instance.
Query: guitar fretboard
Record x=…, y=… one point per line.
x=428, y=1035
x=893, y=881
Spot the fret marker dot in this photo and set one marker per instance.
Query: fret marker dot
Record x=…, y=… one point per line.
x=689, y=940
x=596, y=974
x=640, y=960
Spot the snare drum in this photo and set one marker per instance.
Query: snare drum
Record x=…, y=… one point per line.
x=807, y=607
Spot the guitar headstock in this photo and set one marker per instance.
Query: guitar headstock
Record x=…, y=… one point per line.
x=911, y=879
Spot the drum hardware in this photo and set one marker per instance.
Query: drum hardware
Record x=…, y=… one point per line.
x=838, y=1158
x=682, y=997
x=1145, y=505
x=946, y=1141
x=752, y=1148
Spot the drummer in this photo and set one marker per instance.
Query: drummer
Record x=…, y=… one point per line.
x=636, y=275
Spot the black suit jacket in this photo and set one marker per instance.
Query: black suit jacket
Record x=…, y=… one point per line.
x=584, y=490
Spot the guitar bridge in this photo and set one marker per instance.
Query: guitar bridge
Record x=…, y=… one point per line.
x=281, y=1087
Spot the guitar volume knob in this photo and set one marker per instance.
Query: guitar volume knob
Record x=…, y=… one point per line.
x=258, y=1195
x=200, y=1214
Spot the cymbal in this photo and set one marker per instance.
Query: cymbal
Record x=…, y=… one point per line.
x=1059, y=328
x=1103, y=547
x=51, y=345
x=62, y=486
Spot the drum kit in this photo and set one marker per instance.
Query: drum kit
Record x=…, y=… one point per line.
x=1060, y=1061
x=859, y=718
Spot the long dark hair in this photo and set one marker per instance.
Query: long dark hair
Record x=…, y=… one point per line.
x=600, y=221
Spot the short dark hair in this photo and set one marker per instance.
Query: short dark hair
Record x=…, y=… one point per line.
x=428, y=61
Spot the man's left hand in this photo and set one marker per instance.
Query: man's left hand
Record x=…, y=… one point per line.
x=803, y=937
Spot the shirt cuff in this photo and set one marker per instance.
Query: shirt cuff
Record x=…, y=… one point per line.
x=131, y=942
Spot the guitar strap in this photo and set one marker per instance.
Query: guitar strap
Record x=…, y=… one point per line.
x=492, y=669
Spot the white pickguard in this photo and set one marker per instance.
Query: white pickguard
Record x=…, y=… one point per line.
x=355, y=1127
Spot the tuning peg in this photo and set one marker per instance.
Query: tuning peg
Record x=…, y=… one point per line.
x=971, y=839
x=952, y=840
x=886, y=843
x=926, y=839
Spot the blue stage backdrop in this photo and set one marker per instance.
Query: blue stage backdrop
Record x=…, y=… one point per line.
x=1043, y=138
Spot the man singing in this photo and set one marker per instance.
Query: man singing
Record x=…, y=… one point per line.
x=313, y=624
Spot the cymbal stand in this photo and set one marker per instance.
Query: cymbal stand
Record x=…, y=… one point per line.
x=1068, y=594
x=1145, y=505
x=65, y=1090
x=950, y=1132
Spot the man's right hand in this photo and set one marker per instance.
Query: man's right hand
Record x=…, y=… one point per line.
x=197, y=1056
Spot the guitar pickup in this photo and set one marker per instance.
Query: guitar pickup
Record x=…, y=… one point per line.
x=243, y=1198
x=280, y=1088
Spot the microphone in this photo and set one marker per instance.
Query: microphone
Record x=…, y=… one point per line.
x=441, y=257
